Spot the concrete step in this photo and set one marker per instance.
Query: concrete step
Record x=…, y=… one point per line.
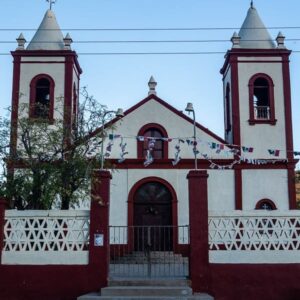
x=149, y=282
x=158, y=291
x=97, y=296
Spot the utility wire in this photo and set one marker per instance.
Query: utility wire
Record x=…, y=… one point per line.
x=152, y=29
x=152, y=53
x=150, y=41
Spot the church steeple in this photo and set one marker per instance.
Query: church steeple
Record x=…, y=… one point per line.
x=48, y=36
x=253, y=33
x=46, y=77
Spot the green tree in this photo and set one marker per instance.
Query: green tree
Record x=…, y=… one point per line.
x=52, y=164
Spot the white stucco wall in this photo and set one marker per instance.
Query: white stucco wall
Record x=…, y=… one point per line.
x=56, y=70
x=176, y=127
x=260, y=184
x=220, y=191
x=262, y=136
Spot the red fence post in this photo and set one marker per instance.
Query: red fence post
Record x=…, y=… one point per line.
x=99, y=224
x=3, y=205
x=198, y=214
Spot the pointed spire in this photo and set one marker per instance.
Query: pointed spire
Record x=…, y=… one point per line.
x=253, y=33
x=68, y=41
x=235, y=40
x=152, y=84
x=21, y=42
x=48, y=36
x=280, y=40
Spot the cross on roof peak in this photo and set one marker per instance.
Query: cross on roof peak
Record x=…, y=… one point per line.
x=51, y=2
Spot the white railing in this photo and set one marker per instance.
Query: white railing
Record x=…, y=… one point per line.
x=254, y=237
x=262, y=112
x=46, y=237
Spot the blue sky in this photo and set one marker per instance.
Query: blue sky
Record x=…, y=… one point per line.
x=121, y=80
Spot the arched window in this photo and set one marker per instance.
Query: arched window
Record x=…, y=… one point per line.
x=261, y=100
x=159, y=149
x=42, y=97
x=265, y=204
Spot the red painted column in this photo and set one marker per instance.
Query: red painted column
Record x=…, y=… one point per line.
x=99, y=224
x=3, y=205
x=198, y=214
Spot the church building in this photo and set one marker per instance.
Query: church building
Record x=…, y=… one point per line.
x=150, y=202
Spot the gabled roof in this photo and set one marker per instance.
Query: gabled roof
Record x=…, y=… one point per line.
x=48, y=36
x=253, y=33
x=175, y=111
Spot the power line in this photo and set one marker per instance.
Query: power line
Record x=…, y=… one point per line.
x=151, y=41
x=153, y=29
x=151, y=53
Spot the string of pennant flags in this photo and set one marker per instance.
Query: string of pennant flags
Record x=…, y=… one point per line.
x=194, y=144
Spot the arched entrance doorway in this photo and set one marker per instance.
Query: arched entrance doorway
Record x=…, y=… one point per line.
x=152, y=211
x=153, y=217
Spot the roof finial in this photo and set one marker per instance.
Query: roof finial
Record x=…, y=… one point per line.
x=152, y=84
x=251, y=4
x=51, y=2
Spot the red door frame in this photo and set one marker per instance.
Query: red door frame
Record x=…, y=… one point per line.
x=130, y=216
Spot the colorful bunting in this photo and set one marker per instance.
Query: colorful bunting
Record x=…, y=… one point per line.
x=177, y=151
x=123, y=151
x=232, y=149
x=274, y=152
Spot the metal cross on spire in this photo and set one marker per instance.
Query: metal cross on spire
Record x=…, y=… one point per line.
x=51, y=2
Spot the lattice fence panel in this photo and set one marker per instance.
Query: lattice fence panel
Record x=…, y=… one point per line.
x=254, y=233
x=46, y=233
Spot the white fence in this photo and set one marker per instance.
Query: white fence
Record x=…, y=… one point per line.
x=254, y=237
x=62, y=237
x=46, y=237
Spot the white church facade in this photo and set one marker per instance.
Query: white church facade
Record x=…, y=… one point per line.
x=226, y=205
x=252, y=167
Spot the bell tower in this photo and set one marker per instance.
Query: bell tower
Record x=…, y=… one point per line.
x=257, y=96
x=46, y=77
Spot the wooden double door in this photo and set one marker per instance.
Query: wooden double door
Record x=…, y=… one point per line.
x=153, y=218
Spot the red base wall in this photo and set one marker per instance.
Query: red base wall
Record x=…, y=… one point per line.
x=227, y=282
x=48, y=282
x=255, y=282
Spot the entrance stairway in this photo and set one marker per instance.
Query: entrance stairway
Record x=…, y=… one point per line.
x=150, y=289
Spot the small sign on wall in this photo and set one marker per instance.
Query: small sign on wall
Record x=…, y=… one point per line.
x=98, y=239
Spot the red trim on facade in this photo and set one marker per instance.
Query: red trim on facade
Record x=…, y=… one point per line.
x=50, y=53
x=174, y=110
x=68, y=97
x=238, y=188
x=15, y=104
x=132, y=192
x=43, y=62
x=141, y=144
x=99, y=222
x=235, y=102
x=292, y=187
x=252, y=120
x=268, y=201
x=198, y=216
x=287, y=106
x=32, y=97
x=202, y=164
